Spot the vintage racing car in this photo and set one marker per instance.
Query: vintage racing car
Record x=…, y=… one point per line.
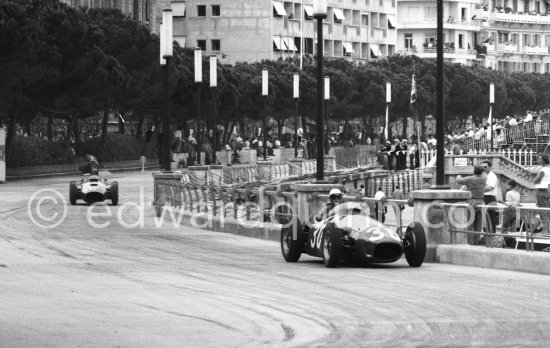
x=93, y=189
x=349, y=233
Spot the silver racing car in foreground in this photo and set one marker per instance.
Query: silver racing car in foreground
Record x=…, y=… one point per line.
x=93, y=189
x=349, y=233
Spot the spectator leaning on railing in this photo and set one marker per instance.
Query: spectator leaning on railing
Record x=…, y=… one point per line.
x=542, y=180
x=476, y=185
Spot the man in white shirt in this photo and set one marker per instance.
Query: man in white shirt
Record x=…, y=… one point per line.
x=381, y=196
x=529, y=117
x=490, y=192
x=513, y=198
x=512, y=122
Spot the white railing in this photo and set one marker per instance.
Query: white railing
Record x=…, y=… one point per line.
x=508, y=48
x=526, y=158
x=522, y=157
x=536, y=50
x=522, y=18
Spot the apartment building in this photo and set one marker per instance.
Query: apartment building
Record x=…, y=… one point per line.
x=416, y=34
x=243, y=30
x=147, y=12
x=517, y=35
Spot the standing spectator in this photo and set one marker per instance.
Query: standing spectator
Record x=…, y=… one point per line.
x=490, y=193
x=362, y=190
x=476, y=185
x=542, y=180
x=398, y=194
x=403, y=157
x=513, y=198
x=381, y=197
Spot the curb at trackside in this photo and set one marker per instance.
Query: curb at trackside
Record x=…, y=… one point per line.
x=51, y=175
x=461, y=255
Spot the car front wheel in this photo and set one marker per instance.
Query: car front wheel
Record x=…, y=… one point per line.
x=72, y=193
x=414, y=244
x=114, y=193
x=332, y=246
x=292, y=241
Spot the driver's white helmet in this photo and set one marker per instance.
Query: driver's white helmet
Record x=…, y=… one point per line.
x=336, y=192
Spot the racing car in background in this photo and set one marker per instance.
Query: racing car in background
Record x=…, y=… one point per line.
x=349, y=233
x=92, y=189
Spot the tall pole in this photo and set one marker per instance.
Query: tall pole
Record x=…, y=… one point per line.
x=491, y=102
x=388, y=101
x=320, y=12
x=440, y=106
x=213, y=85
x=265, y=94
x=166, y=52
x=327, y=98
x=296, y=98
x=198, y=81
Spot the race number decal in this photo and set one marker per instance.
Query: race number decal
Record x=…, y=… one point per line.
x=374, y=234
x=318, y=235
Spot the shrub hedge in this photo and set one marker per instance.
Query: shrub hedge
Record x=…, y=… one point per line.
x=35, y=151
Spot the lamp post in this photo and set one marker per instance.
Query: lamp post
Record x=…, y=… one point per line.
x=388, y=101
x=327, y=98
x=213, y=85
x=440, y=106
x=320, y=12
x=296, y=98
x=198, y=80
x=166, y=52
x=264, y=94
x=491, y=102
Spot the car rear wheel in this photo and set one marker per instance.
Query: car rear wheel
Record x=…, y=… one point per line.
x=114, y=193
x=332, y=246
x=414, y=244
x=292, y=241
x=72, y=192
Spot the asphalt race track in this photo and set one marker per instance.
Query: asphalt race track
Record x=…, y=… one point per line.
x=77, y=285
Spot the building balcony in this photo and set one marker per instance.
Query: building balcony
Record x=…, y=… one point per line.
x=470, y=25
x=504, y=48
x=522, y=18
x=450, y=53
x=535, y=50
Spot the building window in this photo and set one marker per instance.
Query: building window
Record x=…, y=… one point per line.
x=201, y=44
x=460, y=41
x=278, y=9
x=537, y=6
x=216, y=46
x=547, y=68
x=408, y=40
x=381, y=3
x=338, y=15
x=365, y=20
x=308, y=12
x=366, y=2
x=201, y=10
x=216, y=10
x=178, y=8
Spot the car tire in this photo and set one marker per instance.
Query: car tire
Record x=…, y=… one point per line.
x=114, y=193
x=291, y=247
x=73, y=192
x=414, y=244
x=332, y=246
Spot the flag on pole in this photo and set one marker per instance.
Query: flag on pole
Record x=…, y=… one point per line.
x=413, y=90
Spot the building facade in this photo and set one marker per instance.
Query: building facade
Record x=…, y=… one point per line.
x=147, y=12
x=517, y=35
x=510, y=35
x=418, y=24
x=243, y=30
